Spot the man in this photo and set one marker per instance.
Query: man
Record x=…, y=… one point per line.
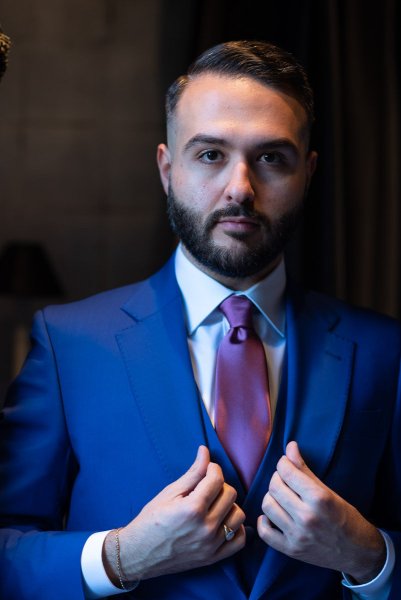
x=121, y=391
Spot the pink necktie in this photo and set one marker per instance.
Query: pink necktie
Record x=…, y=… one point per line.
x=243, y=419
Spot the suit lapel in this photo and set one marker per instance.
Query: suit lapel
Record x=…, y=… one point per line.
x=319, y=377
x=156, y=356
x=319, y=365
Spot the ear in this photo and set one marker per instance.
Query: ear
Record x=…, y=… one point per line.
x=311, y=161
x=164, y=164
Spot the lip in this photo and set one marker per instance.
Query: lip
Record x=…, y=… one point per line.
x=238, y=223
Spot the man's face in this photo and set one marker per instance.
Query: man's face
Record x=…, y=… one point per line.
x=236, y=170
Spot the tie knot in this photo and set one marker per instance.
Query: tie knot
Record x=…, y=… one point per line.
x=238, y=311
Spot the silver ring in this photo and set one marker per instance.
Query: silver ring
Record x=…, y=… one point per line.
x=228, y=532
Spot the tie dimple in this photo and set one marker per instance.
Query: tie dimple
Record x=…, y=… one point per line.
x=238, y=311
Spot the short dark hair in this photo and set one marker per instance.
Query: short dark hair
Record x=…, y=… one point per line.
x=4, y=47
x=260, y=60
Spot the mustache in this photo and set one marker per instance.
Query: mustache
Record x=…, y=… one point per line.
x=235, y=210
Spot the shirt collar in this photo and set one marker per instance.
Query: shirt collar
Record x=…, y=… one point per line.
x=202, y=294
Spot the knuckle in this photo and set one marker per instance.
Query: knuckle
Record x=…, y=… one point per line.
x=231, y=492
x=282, y=465
x=217, y=474
x=237, y=516
x=285, y=469
x=266, y=504
x=274, y=483
x=194, y=510
x=241, y=515
x=322, y=501
x=309, y=520
x=207, y=531
x=299, y=541
x=281, y=461
x=296, y=551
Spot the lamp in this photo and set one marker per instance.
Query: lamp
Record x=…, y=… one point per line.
x=25, y=273
x=5, y=44
x=25, y=270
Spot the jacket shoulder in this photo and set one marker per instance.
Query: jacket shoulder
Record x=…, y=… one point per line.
x=346, y=318
x=100, y=311
x=117, y=307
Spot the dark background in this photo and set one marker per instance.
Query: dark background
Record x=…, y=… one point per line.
x=81, y=113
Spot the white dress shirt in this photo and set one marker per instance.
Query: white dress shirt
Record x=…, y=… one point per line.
x=206, y=326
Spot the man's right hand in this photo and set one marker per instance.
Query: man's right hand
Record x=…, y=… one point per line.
x=181, y=528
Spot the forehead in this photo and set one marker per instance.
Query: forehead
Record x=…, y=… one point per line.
x=236, y=106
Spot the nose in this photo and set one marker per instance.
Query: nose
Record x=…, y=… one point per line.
x=239, y=187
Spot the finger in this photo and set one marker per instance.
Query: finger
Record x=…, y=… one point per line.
x=223, y=503
x=293, y=453
x=299, y=481
x=278, y=514
x=197, y=471
x=269, y=534
x=227, y=549
x=208, y=488
x=313, y=483
x=201, y=463
x=233, y=520
x=284, y=496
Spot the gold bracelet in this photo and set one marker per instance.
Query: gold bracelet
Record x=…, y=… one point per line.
x=118, y=558
x=131, y=585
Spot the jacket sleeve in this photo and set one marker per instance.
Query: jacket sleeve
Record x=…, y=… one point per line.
x=38, y=560
x=392, y=492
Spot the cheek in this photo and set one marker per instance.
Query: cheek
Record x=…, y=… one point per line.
x=194, y=191
x=177, y=180
x=284, y=194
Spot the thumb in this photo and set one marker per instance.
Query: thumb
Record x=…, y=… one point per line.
x=196, y=472
x=294, y=455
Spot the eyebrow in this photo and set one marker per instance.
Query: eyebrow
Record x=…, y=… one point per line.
x=273, y=143
x=204, y=139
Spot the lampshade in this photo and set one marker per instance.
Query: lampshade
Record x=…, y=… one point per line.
x=26, y=270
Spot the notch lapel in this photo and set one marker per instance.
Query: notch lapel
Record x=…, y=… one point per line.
x=319, y=377
x=156, y=356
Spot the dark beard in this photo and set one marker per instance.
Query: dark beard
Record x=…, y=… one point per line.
x=250, y=258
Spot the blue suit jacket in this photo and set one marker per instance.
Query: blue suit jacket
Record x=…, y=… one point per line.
x=106, y=413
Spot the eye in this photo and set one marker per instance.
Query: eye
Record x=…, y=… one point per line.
x=210, y=156
x=272, y=158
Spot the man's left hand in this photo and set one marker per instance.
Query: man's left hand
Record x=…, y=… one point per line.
x=306, y=520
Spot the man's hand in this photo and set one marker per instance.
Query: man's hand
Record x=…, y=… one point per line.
x=181, y=528
x=306, y=520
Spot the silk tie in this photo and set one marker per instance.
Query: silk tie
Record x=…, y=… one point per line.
x=242, y=406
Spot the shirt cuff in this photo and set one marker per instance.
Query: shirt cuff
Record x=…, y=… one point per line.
x=379, y=587
x=97, y=583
